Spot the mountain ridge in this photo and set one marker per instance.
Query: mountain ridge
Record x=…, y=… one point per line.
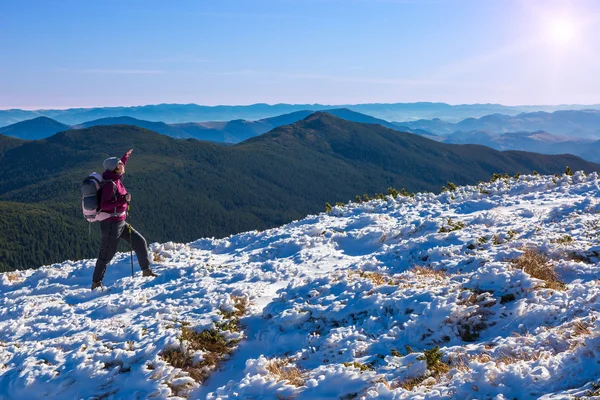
x=34, y=128
x=574, y=123
x=173, y=113
x=184, y=188
x=233, y=131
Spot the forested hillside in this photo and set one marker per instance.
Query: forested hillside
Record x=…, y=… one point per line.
x=186, y=189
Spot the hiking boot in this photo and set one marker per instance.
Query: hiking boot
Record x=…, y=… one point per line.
x=148, y=272
x=96, y=285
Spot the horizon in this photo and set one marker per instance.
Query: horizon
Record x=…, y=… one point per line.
x=298, y=104
x=329, y=52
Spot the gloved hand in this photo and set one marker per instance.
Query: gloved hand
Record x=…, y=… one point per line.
x=128, y=197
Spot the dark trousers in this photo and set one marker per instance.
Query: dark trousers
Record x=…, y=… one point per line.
x=111, y=233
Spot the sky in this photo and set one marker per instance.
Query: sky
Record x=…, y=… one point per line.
x=67, y=53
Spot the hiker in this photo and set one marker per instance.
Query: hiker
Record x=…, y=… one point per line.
x=114, y=200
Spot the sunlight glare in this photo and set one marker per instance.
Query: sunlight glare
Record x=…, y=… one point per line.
x=561, y=30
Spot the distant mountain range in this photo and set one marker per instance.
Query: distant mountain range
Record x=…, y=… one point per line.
x=560, y=132
x=180, y=113
x=538, y=142
x=184, y=189
x=495, y=130
x=572, y=123
x=224, y=132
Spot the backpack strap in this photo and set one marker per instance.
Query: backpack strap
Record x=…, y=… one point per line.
x=114, y=187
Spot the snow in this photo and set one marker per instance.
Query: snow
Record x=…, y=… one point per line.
x=353, y=298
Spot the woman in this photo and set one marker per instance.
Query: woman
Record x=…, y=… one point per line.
x=114, y=200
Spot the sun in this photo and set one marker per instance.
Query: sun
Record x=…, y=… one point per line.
x=561, y=30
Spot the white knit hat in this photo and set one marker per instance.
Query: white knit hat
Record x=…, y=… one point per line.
x=110, y=164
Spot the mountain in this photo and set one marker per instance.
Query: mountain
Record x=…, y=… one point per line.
x=484, y=292
x=572, y=123
x=215, y=131
x=180, y=113
x=435, y=126
x=239, y=130
x=8, y=143
x=541, y=142
x=159, y=127
x=184, y=189
x=234, y=131
x=37, y=128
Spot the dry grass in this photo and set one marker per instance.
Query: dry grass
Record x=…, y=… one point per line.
x=429, y=272
x=240, y=306
x=481, y=358
x=565, y=239
x=412, y=383
x=362, y=367
x=156, y=257
x=285, y=370
x=459, y=362
x=388, y=385
x=538, y=266
x=515, y=357
x=435, y=369
x=213, y=344
x=13, y=276
x=581, y=329
x=377, y=278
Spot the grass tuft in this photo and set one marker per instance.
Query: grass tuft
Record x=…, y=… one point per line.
x=429, y=272
x=285, y=370
x=412, y=383
x=452, y=226
x=376, y=277
x=213, y=344
x=362, y=367
x=434, y=361
x=538, y=265
x=13, y=276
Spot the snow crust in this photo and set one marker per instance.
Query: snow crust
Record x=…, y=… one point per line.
x=352, y=298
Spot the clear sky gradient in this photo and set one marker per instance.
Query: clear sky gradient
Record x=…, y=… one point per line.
x=67, y=53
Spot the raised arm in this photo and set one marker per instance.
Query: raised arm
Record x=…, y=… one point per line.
x=126, y=156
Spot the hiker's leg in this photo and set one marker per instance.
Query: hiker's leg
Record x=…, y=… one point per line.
x=139, y=245
x=108, y=248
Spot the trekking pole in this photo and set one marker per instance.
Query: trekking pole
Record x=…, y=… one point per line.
x=130, y=235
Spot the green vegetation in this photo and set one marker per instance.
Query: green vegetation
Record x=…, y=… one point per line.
x=507, y=298
x=568, y=171
x=452, y=226
x=362, y=367
x=433, y=357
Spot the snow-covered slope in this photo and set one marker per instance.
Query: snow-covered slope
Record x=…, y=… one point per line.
x=349, y=304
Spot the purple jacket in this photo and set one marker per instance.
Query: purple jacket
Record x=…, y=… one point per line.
x=113, y=201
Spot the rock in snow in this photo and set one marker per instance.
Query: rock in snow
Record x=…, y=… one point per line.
x=486, y=292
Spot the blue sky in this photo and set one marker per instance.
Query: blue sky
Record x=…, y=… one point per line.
x=59, y=54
